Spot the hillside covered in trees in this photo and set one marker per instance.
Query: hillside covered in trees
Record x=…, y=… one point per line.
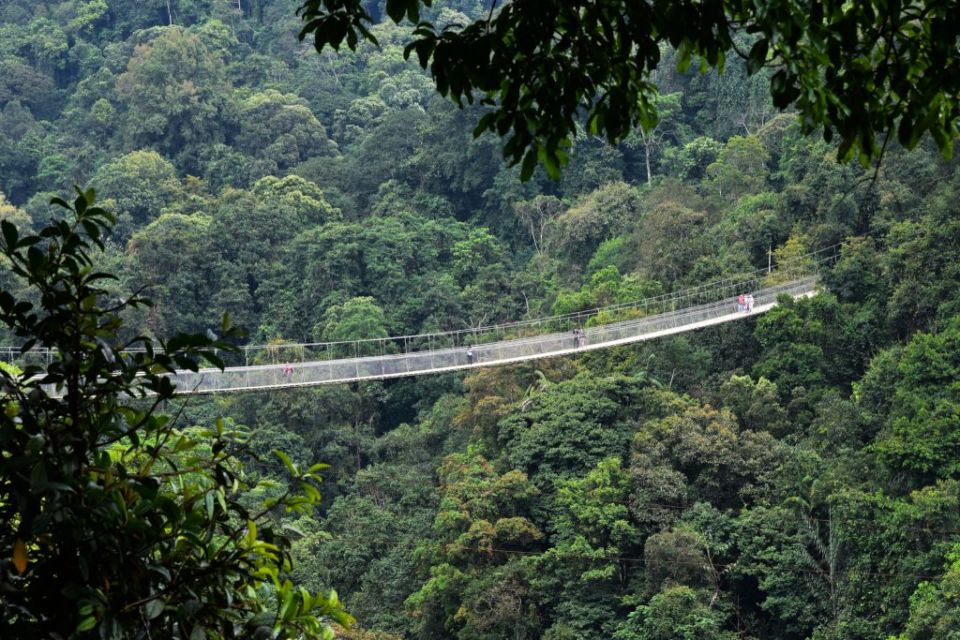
x=792, y=476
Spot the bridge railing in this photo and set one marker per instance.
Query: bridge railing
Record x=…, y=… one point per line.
x=726, y=289
x=714, y=291
x=720, y=291
x=313, y=372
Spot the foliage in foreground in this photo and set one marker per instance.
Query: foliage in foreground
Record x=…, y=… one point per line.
x=544, y=66
x=113, y=522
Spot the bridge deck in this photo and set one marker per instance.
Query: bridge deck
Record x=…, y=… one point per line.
x=421, y=362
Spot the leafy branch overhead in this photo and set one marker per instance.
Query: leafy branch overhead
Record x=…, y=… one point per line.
x=861, y=71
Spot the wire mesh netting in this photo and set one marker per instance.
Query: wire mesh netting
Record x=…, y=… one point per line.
x=306, y=364
x=305, y=368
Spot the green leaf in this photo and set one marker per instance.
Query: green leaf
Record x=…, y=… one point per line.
x=287, y=609
x=153, y=608
x=60, y=202
x=287, y=462
x=86, y=624
x=758, y=55
x=80, y=204
x=396, y=9
x=10, y=235
x=529, y=164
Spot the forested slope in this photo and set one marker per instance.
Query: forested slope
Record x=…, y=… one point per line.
x=794, y=476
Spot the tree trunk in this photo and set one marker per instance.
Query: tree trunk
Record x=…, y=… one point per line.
x=646, y=158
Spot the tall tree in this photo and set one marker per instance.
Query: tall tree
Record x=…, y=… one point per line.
x=653, y=136
x=174, y=90
x=138, y=186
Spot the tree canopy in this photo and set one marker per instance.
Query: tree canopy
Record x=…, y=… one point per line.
x=789, y=476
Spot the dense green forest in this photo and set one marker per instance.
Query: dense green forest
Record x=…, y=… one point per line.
x=791, y=476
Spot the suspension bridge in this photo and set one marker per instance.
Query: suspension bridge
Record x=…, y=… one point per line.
x=288, y=365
